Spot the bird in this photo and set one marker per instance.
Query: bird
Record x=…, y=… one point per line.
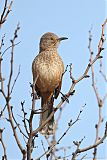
x=47, y=70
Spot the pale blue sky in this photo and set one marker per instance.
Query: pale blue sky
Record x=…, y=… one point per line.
x=72, y=19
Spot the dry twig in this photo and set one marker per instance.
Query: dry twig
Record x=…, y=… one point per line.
x=5, y=12
x=9, y=91
x=30, y=143
x=3, y=145
x=70, y=124
x=99, y=100
x=78, y=150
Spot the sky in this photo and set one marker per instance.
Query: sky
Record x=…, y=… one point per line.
x=72, y=19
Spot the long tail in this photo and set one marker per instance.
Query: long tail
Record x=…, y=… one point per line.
x=47, y=108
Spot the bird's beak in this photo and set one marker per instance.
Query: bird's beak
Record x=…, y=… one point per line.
x=62, y=38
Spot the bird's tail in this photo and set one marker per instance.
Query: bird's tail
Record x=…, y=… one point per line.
x=47, y=108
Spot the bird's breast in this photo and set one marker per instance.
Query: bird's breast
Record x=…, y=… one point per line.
x=49, y=68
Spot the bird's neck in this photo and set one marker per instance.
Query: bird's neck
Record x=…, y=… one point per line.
x=50, y=48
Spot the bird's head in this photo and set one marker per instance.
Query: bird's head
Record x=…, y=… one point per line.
x=50, y=40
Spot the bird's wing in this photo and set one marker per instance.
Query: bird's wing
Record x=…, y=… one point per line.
x=57, y=90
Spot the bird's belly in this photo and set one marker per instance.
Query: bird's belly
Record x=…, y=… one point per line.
x=49, y=77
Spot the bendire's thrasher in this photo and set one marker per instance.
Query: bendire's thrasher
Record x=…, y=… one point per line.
x=48, y=68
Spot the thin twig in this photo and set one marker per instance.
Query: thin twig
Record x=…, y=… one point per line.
x=96, y=144
x=24, y=118
x=9, y=48
x=2, y=43
x=2, y=111
x=23, y=151
x=99, y=100
x=75, y=154
x=11, y=61
x=1, y=76
x=15, y=81
x=5, y=13
x=18, y=125
x=3, y=145
x=70, y=124
x=30, y=139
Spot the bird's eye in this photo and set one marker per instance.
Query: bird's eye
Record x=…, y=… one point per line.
x=51, y=38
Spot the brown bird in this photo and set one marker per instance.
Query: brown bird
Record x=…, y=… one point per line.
x=47, y=69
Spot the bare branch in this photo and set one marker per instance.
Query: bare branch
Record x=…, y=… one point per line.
x=1, y=76
x=30, y=140
x=99, y=100
x=11, y=61
x=70, y=124
x=24, y=118
x=9, y=48
x=5, y=12
x=75, y=154
x=3, y=145
x=2, y=110
x=7, y=97
x=18, y=125
x=15, y=81
x=2, y=42
x=96, y=144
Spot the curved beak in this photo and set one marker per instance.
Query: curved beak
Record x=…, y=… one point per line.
x=62, y=38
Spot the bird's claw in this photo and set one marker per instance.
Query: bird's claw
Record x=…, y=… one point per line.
x=65, y=98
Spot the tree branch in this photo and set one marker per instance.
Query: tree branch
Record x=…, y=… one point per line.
x=3, y=145
x=6, y=11
x=70, y=124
